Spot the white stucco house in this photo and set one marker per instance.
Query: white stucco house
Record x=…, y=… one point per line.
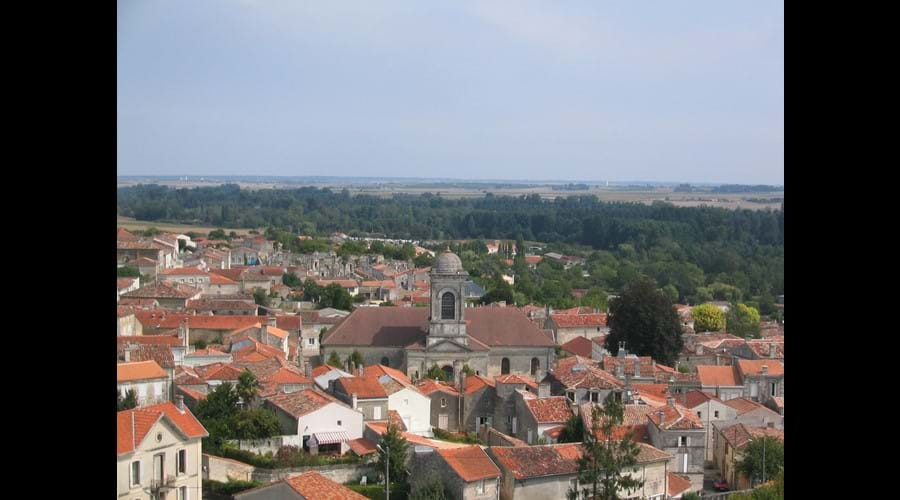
x=323, y=423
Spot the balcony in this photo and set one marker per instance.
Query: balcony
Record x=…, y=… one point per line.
x=163, y=484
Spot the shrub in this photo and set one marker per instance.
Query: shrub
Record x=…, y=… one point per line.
x=229, y=488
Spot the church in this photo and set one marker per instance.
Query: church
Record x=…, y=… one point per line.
x=491, y=341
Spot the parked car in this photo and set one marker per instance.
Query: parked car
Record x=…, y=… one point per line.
x=721, y=485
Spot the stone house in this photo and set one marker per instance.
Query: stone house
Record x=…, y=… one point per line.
x=363, y=394
x=776, y=404
x=222, y=307
x=446, y=404
x=755, y=414
x=723, y=382
x=507, y=389
x=127, y=324
x=679, y=432
x=765, y=348
x=190, y=276
x=711, y=411
x=712, y=349
x=148, y=380
x=220, y=285
x=310, y=413
x=467, y=472
x=125, y=285
x=158, y=450
x=730, y=443
x=413, y=407
x=762, y=378
x=565, y=327
x=266, y=333
x=127, y=252
x=551, y=471
x=536, y=416
x=479, y=400
x=581, y=381
x=580, y=346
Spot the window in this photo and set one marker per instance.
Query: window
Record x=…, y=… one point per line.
x=504, y=366
x=509, y=420
x=443, y=402
x=699, y=414
x=448, y=306
x=135, y=473
x=405, y=402
x=158, y=467
x=573, y=484
x=535, y=365
x=339, y=423
x=595, y=397
x=181, y=462
x=479, y=488
x=682, y=441
x=716, y=413
x=385, y=361
x=312, y=341
x=571, y=396
x=376, y=413
x=773, y=388
x=183, y=493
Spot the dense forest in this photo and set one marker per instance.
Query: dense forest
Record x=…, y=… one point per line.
x=699, y=251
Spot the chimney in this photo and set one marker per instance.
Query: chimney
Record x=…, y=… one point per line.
x=353, y=398
x=128, y=349
x=543, y=390
x=360, y=369
x=622, y=351
x=662, y=417
x=184, y=332
x=462, y=382
x=331, y=386
x=764, y=370
x=773, y=350
x=698, y=349
x=307, y=369
x=272, y=321
x=637, y=367
x=179, y=402
x=620, y=366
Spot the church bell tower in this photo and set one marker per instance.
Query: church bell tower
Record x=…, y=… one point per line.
x=448, y=280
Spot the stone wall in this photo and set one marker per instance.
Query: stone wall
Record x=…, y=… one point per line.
x=221, y=469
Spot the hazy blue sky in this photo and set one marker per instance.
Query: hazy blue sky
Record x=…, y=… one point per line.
x=628, y=90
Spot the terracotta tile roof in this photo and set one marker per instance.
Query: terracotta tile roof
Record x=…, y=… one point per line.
x=779, y=401
x=474, y=383
x=634, y=420
x=161, y=354
x=362, y=446
x=218, y=371
x=579, y=345
x=254, y=350
x=218, y=279
x=395, y=418
x=413, y=439
x=400, y=326
x=656, y=392
x=145, y=261
x=138, y=370
x=754, y=366
x=578, y=372
x=538, y=461
x=215, y=304
x=123, y=283
x=427, y=386
x=289, y=322
x=166, y=319
x=314, y=486
x=133, y=425
x=677, y=484
x=513, y=378
x=144, y=303
x=746, y=405
x=195, y=395
x=740, y=435
x=379, y=370
x=234, y=274
x=183, y=271
x=365, y=388
x=693, y=399
x=207, y=352
x=579, y=320
x=675, y=417
x=554, y=432
x=164, y=290
x=322, y=370
x=533, y=259
x=139, y=245
x=123, y=234
x=648, y=367
x=300, y=403
x=550, y=410
x=711, y=376
x=278, y=332
x=342, y=283
x=470, y=463
x=167, y=340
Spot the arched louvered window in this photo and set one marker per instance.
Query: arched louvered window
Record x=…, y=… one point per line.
x=448, y=306
x=504, y=366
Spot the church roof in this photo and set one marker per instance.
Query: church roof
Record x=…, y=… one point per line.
x=402, y=326
x=447, y=263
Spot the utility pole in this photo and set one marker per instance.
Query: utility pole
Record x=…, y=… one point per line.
x=387, y=464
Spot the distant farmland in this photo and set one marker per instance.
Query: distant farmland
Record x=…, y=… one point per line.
x=129, y=223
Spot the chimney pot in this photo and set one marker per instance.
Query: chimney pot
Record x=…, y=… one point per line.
x=764, y=369
x=272, y=321
x=361, y=371
x=179, y=402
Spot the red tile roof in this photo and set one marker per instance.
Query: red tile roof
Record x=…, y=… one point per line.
x=314, y=486
x=218, y=279
x=538, y=461
x=578, y=372
x=755, y=366
x=133, y=425
x=233, y=274
x=323, y=369
x=427, y=386
x=740, y=435
x=165, y=319
x=303, y=402
x=183, y=271
x=123, y=234
x=513, y=378
x=745, y=405
x=474, y=383
x=164, y=290
x=675, y=417
x=379, y=370
x=470, y=463
x=149, y=340
x=693, y=399
x=123, y=283
x=718, y=376
x=289, y=322
x=362, y=446
x=550, y=410
x=579, y=345
x=579, y=320
x=365, y=388
x=678, y=484
x=138, y=370
x=647, y=366
x=413, y=439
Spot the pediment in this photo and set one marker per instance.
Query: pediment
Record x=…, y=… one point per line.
x=447, y=346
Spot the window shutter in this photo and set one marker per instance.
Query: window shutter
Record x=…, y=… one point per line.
x=141, y=468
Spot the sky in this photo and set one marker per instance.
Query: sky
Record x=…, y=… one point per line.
x=524, y=90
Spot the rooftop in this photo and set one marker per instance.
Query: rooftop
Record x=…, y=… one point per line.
x=139, y=370
x=133, y=425
x=470, y=463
